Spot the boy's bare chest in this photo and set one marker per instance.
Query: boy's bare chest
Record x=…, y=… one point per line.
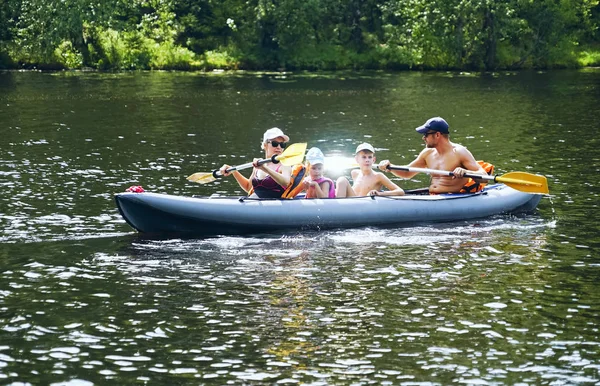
x=365, y=182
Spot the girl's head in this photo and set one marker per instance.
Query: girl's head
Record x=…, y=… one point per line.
x=316, y=171
x=316, y=159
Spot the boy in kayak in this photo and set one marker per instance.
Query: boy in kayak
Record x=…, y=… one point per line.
x=440, y=154
x=316, y=185
x=366, y=181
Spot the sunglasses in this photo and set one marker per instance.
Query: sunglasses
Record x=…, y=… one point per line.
x=430, y=132
x=282, y=145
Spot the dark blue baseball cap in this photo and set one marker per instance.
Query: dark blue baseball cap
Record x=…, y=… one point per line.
x=435, y=124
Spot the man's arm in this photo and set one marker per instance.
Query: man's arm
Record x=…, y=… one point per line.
x=469, y=164
x=419, y=162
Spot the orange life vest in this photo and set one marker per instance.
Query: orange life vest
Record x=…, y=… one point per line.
x=473, y=186
x=295, y=186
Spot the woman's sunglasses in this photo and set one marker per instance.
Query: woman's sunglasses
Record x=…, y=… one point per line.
x=283, y=145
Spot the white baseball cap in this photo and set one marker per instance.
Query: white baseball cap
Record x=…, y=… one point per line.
x=315, y=156
x=364, y=146
x=274, y=133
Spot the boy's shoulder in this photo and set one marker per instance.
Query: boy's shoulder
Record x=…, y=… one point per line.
x=375, y=173
x=370, y=174
x=381, y=177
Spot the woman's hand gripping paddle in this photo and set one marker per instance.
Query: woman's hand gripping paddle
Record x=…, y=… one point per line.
x=293, y=154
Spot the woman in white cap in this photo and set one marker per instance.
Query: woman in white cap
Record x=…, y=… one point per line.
x=268, y=180
x=316, y=185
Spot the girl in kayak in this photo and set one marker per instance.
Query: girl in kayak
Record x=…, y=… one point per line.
x=316, y=185
x=268, y=180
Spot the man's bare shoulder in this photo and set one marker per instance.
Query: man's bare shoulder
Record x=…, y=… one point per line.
x=462, y=152
x=426, y=152
x=458, y=148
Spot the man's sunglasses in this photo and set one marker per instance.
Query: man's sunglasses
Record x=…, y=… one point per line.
x=283, y=145
x=429, y=132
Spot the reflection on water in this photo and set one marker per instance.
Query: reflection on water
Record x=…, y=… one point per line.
x=85, y=300
x=478, y=303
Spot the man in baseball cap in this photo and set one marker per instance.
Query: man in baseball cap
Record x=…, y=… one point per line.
x=434, y=124
x=440, y=154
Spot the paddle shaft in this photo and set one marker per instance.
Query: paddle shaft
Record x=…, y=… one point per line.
x=531, y=180
x=293, y=154
x=440, y=172
x=217, y=173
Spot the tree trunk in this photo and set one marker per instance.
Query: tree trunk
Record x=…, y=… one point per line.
x=491, y=41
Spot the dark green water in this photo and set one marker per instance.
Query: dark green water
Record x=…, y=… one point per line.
x=83, y=299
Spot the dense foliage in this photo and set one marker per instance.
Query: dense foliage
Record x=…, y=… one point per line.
x=299, y=34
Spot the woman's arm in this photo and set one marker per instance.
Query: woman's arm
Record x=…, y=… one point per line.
x=245, y=183
x=282, y=177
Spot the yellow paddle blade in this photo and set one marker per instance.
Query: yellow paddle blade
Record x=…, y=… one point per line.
x=293, y=155
x=201, y=178
x=525, y=182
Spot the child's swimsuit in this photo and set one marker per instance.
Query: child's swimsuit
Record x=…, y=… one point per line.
x=331, y=186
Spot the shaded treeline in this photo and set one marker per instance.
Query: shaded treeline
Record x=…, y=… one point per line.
x=299, y=34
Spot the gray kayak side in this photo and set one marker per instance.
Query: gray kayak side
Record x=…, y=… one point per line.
x=204, y=216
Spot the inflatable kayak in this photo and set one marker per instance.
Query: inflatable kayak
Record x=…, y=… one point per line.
x=207, y=216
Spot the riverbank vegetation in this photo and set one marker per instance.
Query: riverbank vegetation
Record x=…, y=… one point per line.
x=299, y=34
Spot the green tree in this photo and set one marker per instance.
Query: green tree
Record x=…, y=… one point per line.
x=6, y=16
x=550, y=31
x=42, y=26
x=298, y=34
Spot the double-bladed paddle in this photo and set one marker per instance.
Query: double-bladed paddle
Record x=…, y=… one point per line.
x=524, y=182
x=521, y=181
x=293, y=154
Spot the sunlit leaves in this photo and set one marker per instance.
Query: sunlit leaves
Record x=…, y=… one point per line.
x=454, y=34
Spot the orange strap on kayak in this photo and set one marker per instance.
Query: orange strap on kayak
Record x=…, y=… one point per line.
x=473, y=186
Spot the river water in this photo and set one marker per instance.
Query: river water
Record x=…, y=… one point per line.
x=86, y=300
